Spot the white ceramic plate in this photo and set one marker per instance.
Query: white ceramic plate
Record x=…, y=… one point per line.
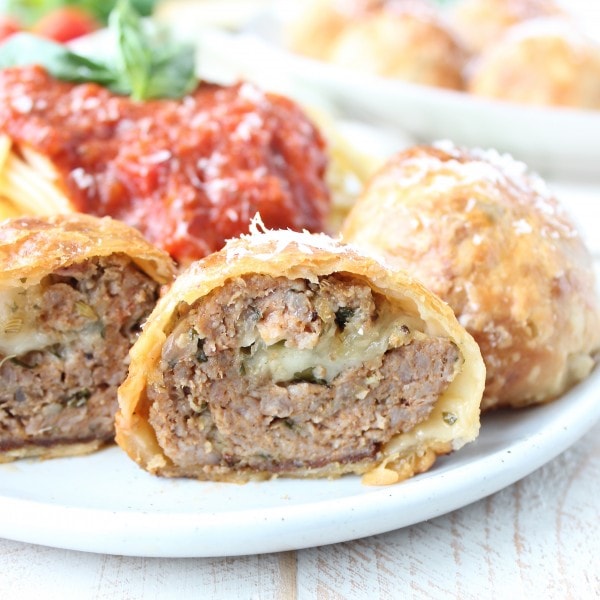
x=105, y=503
x=555, y=141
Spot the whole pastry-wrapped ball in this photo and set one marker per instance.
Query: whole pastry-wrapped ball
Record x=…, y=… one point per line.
x=404, y=40
x=481, y=22
x=491, y=240
x=315, y=24
x=541, y=62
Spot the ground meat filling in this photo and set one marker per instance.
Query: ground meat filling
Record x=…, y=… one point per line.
x=276, y=375
x=65, y=392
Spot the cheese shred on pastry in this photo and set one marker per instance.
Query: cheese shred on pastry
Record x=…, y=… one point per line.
x=74, y=291
x=291, y=354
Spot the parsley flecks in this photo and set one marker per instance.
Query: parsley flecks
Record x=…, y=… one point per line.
x=449, y=418
x=343, y=315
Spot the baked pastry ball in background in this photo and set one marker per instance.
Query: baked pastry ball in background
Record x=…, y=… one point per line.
x=480, y=23
x=314, y=25
x=541, y=62
x=491, y=240
x=404, y=40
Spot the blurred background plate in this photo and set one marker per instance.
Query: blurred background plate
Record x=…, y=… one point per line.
x=557, y=142
x=244, y=39
x=226, y=57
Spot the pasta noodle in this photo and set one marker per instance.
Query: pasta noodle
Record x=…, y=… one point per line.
x=25, y=187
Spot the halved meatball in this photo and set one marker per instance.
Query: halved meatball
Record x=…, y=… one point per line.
x=275, y=375
x=74, y=330
x=292, y=354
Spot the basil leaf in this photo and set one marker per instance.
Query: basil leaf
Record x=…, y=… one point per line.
x=24, y=49
x=145, y=65
x=28, y=12
x=173, y=74
x=134, y=55
x=101, y=8
x=143, y=7
x=150, y=66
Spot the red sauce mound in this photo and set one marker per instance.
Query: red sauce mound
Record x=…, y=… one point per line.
x=189, y=173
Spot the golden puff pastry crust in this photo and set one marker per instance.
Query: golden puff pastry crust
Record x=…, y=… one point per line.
x=315, y=24
x=74, y=290
x=492, y=241
x=543, y=62
x=32, y=247
x=405, y=41
x=480, y=23
x=275, y=357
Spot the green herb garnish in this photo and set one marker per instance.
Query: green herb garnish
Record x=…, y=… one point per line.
x=78, y=399
x=146, y=65
x=343, y=315
x=29, y=12
x=200, y=354
x=307, y=376
x=449, y=418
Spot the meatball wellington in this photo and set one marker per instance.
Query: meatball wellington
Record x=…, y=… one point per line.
x=291, y=354
x=490, y=239
x=74, y=291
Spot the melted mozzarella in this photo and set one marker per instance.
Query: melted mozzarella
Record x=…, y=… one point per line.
x=18, y=322
x=334, y=352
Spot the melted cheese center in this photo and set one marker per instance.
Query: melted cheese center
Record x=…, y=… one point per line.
x=22, y=325
x=334, y=352
x=19, y=331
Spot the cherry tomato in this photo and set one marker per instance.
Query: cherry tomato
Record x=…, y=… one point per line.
x=8, y=26
x=64, y=24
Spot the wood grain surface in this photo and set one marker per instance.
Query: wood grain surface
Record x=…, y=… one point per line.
x=539, y=538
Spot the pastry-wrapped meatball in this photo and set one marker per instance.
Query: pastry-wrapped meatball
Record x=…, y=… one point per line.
x=316, y=24
x=74, y=291
x=406, y=41
x=541, y=62
x=491, y=240
x=291, y=354
x=480, y=23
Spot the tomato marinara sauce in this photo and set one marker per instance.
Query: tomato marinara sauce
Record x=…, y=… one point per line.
x=188, y=173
